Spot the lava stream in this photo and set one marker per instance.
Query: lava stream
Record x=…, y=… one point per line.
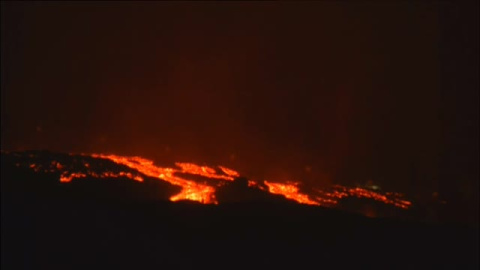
x=203, y=193
x=190, y=190
x=290, y=191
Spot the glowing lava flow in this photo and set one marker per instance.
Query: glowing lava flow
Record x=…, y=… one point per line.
x=290, y=191
x=67, y=176
x=364, y=193
x=206, y=171
x=190, y=190
x=202, y=192
x=339, y=192
x=229, y=172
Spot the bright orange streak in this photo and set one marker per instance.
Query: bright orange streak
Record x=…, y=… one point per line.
x=229, y=172
x=201, y=170
x=290, y=192
x=190, y=190
x=363, y=193
x=206, y=194
x=68, y=177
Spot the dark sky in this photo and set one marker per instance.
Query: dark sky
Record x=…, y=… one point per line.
x=387, y=92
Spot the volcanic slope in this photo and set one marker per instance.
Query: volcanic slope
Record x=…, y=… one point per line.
x=119, y=222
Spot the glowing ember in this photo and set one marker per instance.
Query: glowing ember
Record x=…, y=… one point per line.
x=252, y=183
x=67, y=177
x=340, y=192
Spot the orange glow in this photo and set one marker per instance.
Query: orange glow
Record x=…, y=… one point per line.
x=341, y=192
x=205, y=193
x=190, y=190
x=252, y=183
x=67, y=177
x=229, y=172
x=290, y=192
x=202, y=170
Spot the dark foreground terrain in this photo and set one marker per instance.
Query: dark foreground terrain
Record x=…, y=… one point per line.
x=47, y=227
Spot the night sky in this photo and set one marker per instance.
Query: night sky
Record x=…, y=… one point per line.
x=320, y=92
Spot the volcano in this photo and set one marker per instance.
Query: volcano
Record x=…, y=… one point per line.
x=84, y=210
x=237, y=134
x=186, y=181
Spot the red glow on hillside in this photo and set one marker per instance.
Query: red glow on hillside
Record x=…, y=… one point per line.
x=190, y=190
x=205, y=193
x=290, y=191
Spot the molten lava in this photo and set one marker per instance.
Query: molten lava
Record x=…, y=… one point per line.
x=340, y=192
x=207, y=171
x=290, y=191
x=190, y=190
x=229, y=172
x=67, y=176
x=205, y=193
